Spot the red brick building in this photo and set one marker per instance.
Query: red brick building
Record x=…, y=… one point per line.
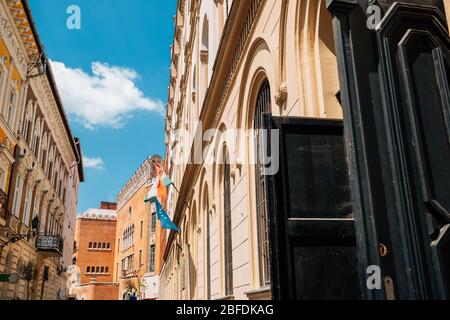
x=94, y=253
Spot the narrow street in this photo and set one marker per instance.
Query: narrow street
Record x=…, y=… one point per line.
x=224, y=151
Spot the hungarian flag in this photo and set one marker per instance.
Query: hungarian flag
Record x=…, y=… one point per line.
x=159, y=196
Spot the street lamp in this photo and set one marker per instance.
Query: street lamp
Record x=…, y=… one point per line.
x=13, y=238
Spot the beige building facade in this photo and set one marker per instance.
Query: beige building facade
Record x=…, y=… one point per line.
x=40, y=168
x=232, y=60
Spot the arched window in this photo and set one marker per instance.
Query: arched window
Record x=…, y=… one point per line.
x=228, y=241
x=95, y=245
x=193, y=254
x=205, y=34
x=108, y=245
x=90, y=245
x=97, y=270
x=99, y=245
x=103, y=245
x=102, y=270
x=106, y=269
x=208, y=241
x=263, y=105
x=88, y=270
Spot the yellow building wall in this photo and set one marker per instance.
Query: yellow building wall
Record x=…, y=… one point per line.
x=140, y=212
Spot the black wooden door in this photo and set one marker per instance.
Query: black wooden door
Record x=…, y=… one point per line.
x=312, y=230
x=395, y=96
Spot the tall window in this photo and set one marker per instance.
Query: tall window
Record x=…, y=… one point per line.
x=152, y=259
x=27, y=207
x=153, y=221
x=128, y=237
x=263, y=105
x=43, y=219
x=17, y=195
x=142, y=229
x=227, y=228
x=11, y=108
x=37, y=203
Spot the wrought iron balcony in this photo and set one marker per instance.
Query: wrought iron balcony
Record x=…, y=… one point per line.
x=3, y=205
x=50, y=245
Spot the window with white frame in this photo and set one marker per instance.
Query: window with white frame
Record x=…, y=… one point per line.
x=27, y=206
x=11, y=108
x=17, y=196
x=152, y=259
x=37, y=202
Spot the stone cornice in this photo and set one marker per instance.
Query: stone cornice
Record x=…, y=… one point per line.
x=11, y=38
x=44, y=95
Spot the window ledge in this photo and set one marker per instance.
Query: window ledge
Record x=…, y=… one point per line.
x=259, y=294
x=228, y=297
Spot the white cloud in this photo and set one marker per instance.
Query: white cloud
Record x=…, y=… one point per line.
x=93, y=163
x=105, y=98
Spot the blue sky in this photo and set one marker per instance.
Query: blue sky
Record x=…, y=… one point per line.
x=112, y=75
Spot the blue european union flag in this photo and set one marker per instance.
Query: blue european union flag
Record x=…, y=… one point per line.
x=166, y=223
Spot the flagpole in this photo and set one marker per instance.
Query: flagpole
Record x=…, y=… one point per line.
x=185, y=202
x=173, y=185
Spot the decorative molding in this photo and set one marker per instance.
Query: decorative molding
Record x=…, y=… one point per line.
x=10, y=38
x=281, y=95
x=204, y=56
x=5, y=153
x=236, y=58
x=139, y=179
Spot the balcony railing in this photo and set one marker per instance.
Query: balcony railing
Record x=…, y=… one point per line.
x=3, y=205
x=51, y=245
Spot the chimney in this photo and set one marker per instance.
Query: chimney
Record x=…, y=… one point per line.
x=108, y=205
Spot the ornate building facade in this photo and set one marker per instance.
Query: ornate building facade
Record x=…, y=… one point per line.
x=40, y=166
x=233, y=61
x=139, y=241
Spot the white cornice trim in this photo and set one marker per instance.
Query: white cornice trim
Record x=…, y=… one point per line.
x=11, y=38
x=43, y=92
